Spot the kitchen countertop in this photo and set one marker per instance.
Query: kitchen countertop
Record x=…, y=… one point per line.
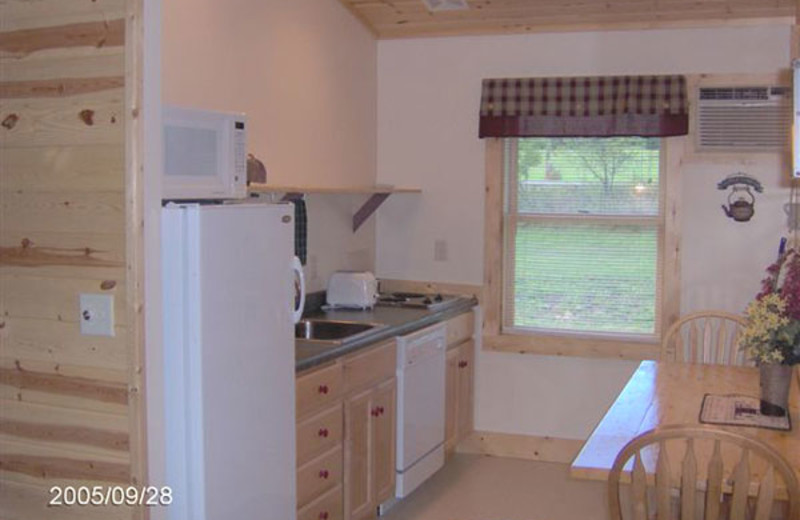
x=400, y=321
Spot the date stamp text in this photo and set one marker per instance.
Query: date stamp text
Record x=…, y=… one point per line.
x=110, y=496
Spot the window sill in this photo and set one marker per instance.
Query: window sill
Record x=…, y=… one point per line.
x=568, y=346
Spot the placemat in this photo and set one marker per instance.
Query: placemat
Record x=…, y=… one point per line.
x=740, y=410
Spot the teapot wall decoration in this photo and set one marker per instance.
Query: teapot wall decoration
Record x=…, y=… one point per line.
x=741, y=201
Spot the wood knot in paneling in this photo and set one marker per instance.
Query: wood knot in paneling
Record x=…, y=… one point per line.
x=107, y=285
x=10, y=121
x=109, y=33
x=87, y=116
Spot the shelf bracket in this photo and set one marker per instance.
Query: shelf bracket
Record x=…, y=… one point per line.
x=368, y=208
x=291, y=197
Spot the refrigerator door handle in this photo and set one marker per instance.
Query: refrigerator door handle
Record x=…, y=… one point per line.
x=300, y=288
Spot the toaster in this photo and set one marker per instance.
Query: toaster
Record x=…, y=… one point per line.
x=352, y=289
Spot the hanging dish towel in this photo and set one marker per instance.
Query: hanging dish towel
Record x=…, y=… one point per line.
x=300, y=230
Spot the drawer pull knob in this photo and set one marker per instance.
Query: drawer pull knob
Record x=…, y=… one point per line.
x=462, y=364
x=374, y=412
x=323, y=432
x=323, y=515
x=324, y=474
x=323, y=389
x=380, y=410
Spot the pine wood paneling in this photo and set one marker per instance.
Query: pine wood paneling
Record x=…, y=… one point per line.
x=64, y=398
x=410, y=18
x=23, y=297
x=66, y=401
x=76, y=169
x=106, y=375
x=62, y=467
x=96, y=250
x=75, y=443
x=63, y=212
x=96, y=390
x=18, y=14
x=548, y=449
x=26, y=501
x=60, y=343
x=58, y=87
x=104, y=33
x=76, y=120
x=103, y=430
x=76, y=62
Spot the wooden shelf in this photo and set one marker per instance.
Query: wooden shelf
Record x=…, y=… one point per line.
x=378, y=194
x=352, y=190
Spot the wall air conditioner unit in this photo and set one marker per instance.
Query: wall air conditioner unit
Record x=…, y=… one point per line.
x=744, y=119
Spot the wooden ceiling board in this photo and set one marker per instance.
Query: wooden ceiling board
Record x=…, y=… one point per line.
x=410, y=18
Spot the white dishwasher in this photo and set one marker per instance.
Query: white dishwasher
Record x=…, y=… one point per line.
x=420, y=406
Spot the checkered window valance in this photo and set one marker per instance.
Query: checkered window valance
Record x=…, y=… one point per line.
x=646, y=106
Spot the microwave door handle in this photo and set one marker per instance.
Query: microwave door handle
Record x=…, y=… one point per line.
x=300, y=289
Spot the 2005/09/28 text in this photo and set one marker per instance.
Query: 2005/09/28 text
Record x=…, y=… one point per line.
x=110, y=496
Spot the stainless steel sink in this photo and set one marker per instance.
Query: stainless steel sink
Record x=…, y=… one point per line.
x=333, y=332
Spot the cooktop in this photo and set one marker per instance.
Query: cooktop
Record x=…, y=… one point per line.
x=430, y=301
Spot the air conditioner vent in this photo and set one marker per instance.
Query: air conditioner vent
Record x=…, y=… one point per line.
x=745, y=119
x=446, y=5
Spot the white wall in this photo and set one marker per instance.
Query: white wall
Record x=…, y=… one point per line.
x=305, y=73
x=428, y=100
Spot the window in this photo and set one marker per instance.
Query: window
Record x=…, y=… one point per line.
x=582, y=236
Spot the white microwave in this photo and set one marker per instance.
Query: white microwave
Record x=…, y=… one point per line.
x=205, y=154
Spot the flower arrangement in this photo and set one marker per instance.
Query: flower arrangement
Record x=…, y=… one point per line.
x=772, y=334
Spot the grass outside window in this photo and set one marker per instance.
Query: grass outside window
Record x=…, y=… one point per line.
x=582, y=221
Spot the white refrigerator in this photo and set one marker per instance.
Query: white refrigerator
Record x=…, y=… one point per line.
x=229, y=291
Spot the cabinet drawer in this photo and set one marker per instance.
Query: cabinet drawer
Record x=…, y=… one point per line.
x=319, y=433
x=317, y=388
x=370, y=367
x=460, y=328
x=327, y=507
x=318, y=476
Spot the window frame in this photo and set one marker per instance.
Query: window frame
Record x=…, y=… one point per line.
x=567, y=343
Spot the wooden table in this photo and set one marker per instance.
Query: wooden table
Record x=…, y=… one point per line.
x=659, y=394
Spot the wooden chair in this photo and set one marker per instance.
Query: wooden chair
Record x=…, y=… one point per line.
x=705, y=337
x=690, y=447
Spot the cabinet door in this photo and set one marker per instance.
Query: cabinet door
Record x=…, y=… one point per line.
x=358, y=499
x=466, y=383
x=451, y=397
x=383, y=441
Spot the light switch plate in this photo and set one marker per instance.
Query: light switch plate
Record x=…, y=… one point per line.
x=97, y=314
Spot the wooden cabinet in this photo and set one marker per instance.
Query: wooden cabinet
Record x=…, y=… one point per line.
x=346, y=435
x=318, y=387
x=326, y=507
x=320, y=455
x=346, y=425
x=464, y=398
x=370, y=434
x=459, y=380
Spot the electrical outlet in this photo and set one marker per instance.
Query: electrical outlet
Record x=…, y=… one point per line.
x=97, y=314
x=440, y=250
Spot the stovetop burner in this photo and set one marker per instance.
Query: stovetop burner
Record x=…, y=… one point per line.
x=416, y=300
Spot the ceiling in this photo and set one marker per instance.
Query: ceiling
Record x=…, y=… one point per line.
x=411, y=18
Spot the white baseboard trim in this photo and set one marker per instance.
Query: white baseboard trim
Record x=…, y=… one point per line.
x=545, y=449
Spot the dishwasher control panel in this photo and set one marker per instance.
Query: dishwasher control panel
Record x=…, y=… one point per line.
x=421, y=345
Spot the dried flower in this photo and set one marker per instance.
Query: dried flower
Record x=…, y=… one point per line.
x=772, y=334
